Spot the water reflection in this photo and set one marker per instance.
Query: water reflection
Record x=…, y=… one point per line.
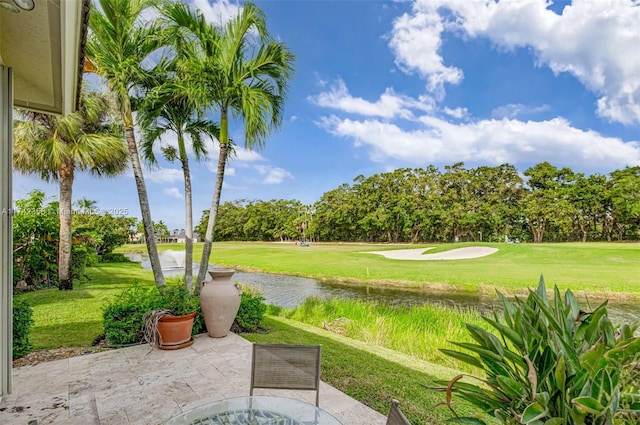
x=291, y=291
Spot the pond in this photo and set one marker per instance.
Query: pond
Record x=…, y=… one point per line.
x=291, y=291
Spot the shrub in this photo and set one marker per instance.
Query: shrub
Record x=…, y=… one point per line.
x=36, y=226
x=22, y=322
x=251, y=311
x=114, y=257
x=80, y=259
x=551, y=363
x=123, y=317
x=176, y=299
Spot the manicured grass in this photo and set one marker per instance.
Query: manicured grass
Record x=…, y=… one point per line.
x=599, y=268
x=74, y=318
x=418, y=331
x=374, y=376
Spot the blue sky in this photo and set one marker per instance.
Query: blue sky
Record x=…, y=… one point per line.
x=381, y=85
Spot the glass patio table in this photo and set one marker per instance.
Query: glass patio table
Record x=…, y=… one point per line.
x=255, y=410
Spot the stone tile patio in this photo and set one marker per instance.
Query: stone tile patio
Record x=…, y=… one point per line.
x=140, y=385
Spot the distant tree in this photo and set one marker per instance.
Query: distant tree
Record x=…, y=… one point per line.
x=161, y=230
x=495, y=194
x=335, y=216
x=547, y=202
x=624, y=194
x=104, y=232
x=86, y=205
x=56, y=147
x=588, y=197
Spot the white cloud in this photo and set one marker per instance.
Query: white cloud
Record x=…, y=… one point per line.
x=173, y=192
x=274, y=175
x=416, y=43
x=219, y=12
x=242, y=155
x=390, y=104
x=513, y=110
x=595, y=41
x=164, y=175
x=458, y=113
x=486, y=141
x=247, y=155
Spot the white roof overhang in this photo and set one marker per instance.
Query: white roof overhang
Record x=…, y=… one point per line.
x=45, y=48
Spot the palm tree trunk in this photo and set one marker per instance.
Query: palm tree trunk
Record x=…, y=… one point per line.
x=188, y=220
x=65, y=279
x=215, y=201
x=145, y=211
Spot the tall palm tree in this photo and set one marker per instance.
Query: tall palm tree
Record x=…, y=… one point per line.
x=56, y=147
x=118, y=44
x=170, y=108
x=245, y=73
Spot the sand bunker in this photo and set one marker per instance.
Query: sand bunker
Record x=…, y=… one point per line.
x=453, y=254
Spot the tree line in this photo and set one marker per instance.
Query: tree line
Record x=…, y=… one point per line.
x=545, y=204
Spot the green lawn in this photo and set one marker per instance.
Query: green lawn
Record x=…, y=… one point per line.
x=606, y=268
x=74, y=318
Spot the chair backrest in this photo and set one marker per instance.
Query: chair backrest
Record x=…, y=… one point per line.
x=282, y=366
x=396, y=417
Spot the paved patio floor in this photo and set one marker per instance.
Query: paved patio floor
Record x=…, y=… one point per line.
x=140, y=385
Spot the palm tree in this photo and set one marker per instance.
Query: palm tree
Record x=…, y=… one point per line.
x=245, y=73
x=86, y=205
x=117, y=45
x=170, y=108
x=56, y=147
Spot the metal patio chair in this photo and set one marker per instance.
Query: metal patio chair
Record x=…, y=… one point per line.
x=396, y=417
x=282, y=366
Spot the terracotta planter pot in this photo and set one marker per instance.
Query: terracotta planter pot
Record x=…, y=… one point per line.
x=175, y=331
x=220, y=300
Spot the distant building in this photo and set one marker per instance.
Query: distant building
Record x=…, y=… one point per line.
x=175, y=236
x=180, y=236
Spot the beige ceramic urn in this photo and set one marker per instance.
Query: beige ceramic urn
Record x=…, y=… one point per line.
x=220, y=300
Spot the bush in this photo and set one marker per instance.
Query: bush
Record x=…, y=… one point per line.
x=123, y=317
x=36, y=226
x=80, y=259
x=251, y=311
x=114, y=257
x=551, y=363
x=22, y=322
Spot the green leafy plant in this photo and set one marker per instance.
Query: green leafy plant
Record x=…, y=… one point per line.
x=22, y=323
x=550, y=363
x=114, y=257
x=123, y=318
x=35, y=239
x=176, y=299
x=80, y=259
x=251, y=311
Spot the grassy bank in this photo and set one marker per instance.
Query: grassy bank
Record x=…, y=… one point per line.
x=599, y=268
x=371, y=375
x=418, y=331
